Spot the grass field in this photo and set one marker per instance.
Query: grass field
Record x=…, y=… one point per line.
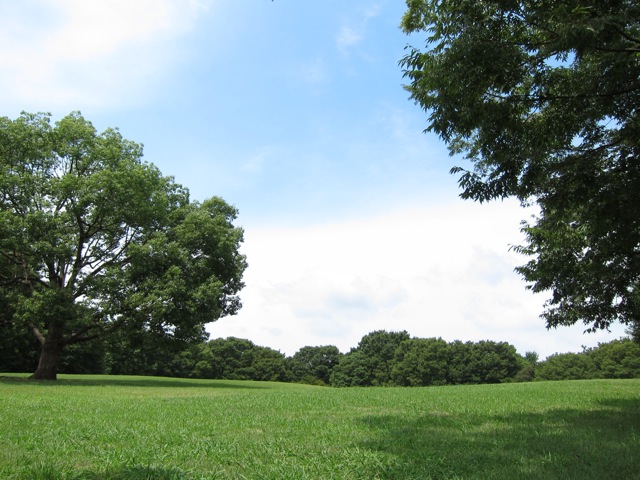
x=100, y=427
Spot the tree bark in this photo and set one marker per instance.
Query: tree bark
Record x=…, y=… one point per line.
x=50, y=353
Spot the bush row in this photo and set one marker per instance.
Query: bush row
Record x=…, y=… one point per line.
x=381, y=358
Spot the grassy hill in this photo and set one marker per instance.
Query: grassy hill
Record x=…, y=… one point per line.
x=108, y=427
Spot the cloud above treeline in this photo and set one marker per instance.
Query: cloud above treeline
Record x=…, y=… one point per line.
x=443, y=271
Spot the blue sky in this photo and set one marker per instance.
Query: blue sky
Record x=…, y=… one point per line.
x=294, y=112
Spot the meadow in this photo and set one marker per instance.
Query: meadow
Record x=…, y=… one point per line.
x=116, y=427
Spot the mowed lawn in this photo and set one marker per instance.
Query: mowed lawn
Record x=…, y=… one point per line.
x=102, y=427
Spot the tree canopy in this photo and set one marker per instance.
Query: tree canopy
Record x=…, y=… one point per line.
x=93, y=239
x=541, y=99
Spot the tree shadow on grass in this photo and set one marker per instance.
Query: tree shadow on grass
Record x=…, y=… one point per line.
x=133, y=381
x=564, y=444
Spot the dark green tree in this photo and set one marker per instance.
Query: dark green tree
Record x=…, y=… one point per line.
x=421, y=362
x=482, y=362
x=542, y=99
x=231, y=358
x=617, y=359
x=527, y=371
x=633, y=331
x=18, y=349
x=496, y=362
x=269, y=365
x=371, y=362
x=380, y=348
x=314, y=364
x=355, y=369
x=147, y=352
x=92, y=239
x=567, y=366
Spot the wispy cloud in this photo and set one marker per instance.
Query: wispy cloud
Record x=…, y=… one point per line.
x=352, y=32
x=347, y=37
x=98, y=53
x=314, y=72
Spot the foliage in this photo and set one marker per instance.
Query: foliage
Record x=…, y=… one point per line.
x=132, y=352
x=135, y=428
x=314, y=365
x=542, y=98
x=231, y=358
x=566, y=366
x=269, y=365
x=371, y=362
x=615, y=359
x=482, y=362
x=355, y=369
x=93, y=240
x=18, y=349
x=394, y=358
x=84, y=357
x=634, y=331
x=415, y=361
x=234, y=359
x=421, y=362
x=380, y=347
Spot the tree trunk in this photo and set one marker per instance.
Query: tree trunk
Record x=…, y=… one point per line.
x=50, y=353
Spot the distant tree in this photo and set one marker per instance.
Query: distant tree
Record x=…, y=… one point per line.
x=371, y=362
x=355, y=369
x=482, y=362
x=460, y=369
x=543, y=100
x=496, y=361
x=527, y=371
x=269, y=365
x=93, y=240
x=84, y=358
x=633, y=331
x=199, y=362
x=314, y=364
x=380, y=347
x=531, y=358
x=393, y=358
x=231, y=358
x=566, y=366
x=421, y=362
x=616, y=359
x=18, y=349
x=146, y=352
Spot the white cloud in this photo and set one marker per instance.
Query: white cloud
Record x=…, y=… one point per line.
x=347, y=37
x=78, y=53
x=352, y=33
x=440, y=271
x=314, y=73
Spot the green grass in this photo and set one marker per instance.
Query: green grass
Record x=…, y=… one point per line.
x=100, y=427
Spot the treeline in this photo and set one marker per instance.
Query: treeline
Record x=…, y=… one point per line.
x=381, y=358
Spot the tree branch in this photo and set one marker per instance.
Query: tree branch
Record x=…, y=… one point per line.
x=37, y=333
x=81, y=335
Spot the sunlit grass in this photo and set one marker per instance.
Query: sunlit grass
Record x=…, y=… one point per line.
x=99, y=427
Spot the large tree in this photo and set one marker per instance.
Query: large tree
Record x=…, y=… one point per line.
x=541, y=99
x=93, y=239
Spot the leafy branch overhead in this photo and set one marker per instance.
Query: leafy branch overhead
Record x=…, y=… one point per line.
x=541, y=100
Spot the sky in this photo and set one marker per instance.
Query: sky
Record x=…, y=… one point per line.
x=294, y=112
